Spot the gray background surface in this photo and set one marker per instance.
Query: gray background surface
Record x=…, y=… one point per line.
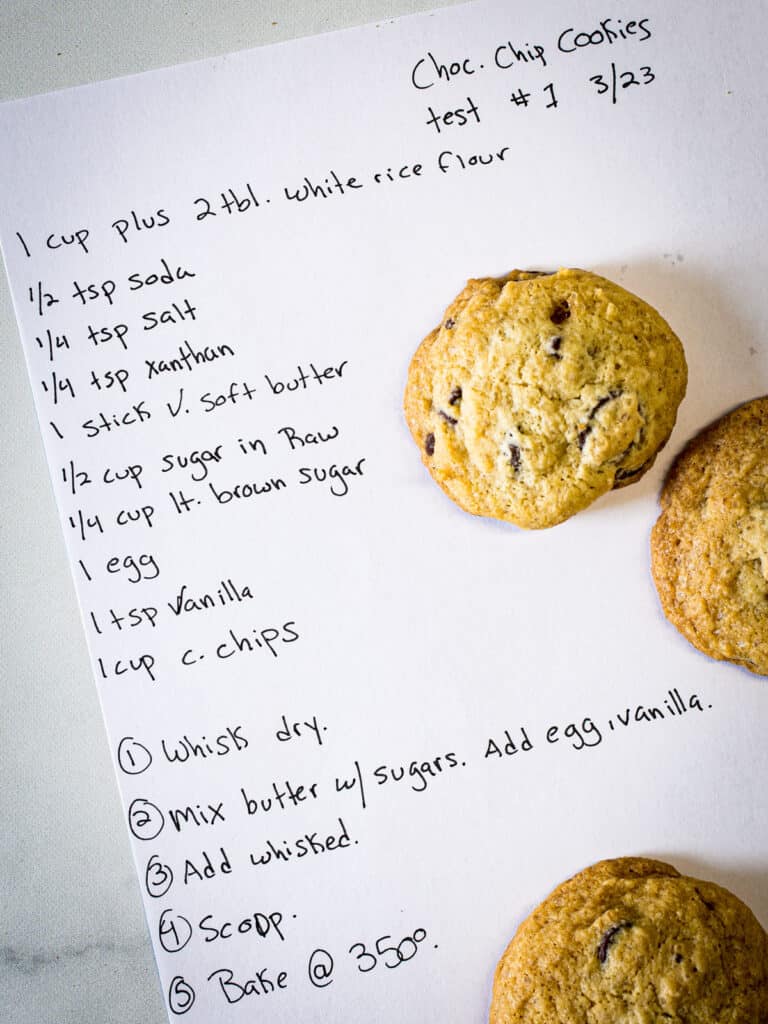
x=74, y=947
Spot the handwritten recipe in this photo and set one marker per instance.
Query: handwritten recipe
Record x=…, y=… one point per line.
x=358, y=733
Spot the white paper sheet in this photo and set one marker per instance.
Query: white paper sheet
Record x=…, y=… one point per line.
x=358, y=734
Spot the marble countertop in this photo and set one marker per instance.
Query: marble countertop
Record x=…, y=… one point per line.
x=74, y=947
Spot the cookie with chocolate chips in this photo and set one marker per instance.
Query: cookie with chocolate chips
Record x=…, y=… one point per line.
x=709, y=547
x=633, y=940
x=540, y=392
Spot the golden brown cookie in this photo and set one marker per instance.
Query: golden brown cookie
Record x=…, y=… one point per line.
x=709, y=547
x=540, y=392
x=631, y=941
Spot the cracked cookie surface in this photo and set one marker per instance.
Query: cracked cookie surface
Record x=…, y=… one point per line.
x=632, y=941
x=709, y=547
x=540, y=392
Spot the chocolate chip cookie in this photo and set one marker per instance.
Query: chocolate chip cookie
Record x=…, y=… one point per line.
x=709, y=547
x=540, y=392
x=632, y=941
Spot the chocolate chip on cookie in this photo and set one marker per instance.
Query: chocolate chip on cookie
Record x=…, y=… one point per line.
x=607, y=939
x=561, y=312
x=553, y=347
